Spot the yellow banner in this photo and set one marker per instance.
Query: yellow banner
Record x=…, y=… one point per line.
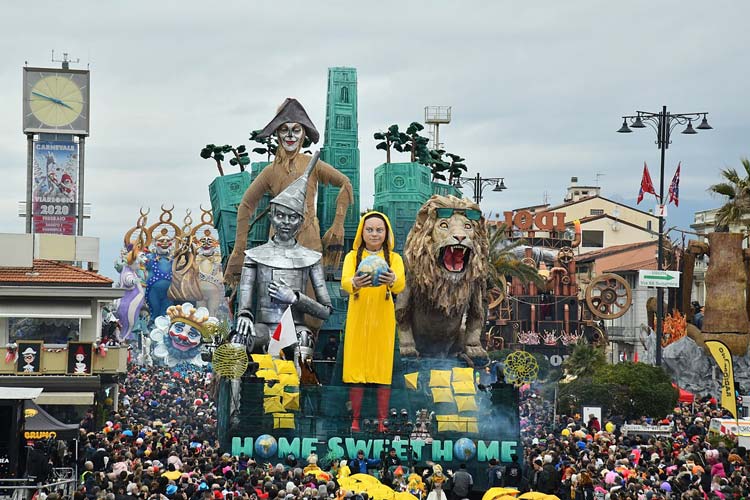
x=723, y=358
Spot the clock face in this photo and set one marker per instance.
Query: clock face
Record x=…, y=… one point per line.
x=56, y=101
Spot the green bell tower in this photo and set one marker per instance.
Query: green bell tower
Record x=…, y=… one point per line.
x=340, y=149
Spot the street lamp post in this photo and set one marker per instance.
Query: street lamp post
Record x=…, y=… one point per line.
x=479, y=183
x=663, y=124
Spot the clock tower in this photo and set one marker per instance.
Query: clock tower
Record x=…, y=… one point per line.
x=56, y=123
x=340, y=149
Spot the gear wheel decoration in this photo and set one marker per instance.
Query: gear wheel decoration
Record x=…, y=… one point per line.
x=520, y=368
x=230, y=360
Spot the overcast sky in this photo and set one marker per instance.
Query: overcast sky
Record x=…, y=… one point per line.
x=537, y=89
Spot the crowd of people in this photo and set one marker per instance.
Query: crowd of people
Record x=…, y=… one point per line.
x=162, y=444
x=580, y=457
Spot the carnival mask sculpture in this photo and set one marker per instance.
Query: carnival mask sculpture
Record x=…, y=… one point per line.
x=177, y=336
x=132, y=269
x=163, y=234
x=183, y=336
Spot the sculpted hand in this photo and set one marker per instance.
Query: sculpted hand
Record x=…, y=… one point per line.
x=333, y=240
x=388, y=278
x=245, y=329
x=281, y=292
x=362, y=280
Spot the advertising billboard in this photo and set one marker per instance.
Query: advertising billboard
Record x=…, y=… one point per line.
x=54, y=187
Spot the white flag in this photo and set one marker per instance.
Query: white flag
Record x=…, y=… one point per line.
x=284, y=335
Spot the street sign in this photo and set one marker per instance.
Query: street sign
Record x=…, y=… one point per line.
x=660, y=279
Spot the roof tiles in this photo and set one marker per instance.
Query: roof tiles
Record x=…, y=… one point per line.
x=50, y=272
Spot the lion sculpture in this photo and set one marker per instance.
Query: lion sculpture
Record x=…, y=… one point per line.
x=441, y=312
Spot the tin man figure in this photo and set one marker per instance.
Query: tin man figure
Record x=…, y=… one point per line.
x=276, y=274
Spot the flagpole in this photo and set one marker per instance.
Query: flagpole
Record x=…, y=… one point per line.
x=663, y=123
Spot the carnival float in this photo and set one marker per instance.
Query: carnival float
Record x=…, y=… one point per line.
x=272, y=255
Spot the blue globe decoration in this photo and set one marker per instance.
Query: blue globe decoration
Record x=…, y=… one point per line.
x=464, y=449
x=266, y=446
x=374, y=265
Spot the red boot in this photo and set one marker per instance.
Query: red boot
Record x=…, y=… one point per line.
x=355, y=397
x=383, y=398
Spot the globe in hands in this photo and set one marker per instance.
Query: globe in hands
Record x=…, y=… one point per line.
x=373, y=265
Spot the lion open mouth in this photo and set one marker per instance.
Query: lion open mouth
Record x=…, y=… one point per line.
x=455, y=258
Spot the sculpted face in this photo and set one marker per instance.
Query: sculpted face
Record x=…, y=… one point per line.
x=183, y=336
x=208, y=246
x=374, y=233
x=291, y=136
x=163, y=245
x=453, y=237
x=285, y=221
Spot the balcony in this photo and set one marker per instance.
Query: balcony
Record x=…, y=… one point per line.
x=54, y=361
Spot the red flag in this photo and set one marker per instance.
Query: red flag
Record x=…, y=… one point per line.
x=674, y=187
x=646, y=185
x=284, y=335
x=635, y=357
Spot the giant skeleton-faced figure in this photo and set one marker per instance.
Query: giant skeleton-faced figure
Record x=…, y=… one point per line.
x=277, y=275
x=292, y=126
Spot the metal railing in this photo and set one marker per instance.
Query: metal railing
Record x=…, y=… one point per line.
x=61, y=478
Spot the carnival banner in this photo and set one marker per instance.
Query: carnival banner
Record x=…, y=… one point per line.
x=55, y=186
x=723, y=358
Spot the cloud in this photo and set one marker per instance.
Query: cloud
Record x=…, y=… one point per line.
x=537, y=89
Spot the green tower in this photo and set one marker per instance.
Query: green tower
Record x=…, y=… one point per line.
x=340, y=149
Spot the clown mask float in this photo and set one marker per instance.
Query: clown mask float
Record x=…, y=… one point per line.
x=177, y=336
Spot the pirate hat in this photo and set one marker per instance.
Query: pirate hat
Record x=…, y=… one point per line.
x=29, y=350
x=291, y=111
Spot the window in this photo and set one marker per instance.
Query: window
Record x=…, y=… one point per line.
x=596, y=211
x=648, y=225
x=344, y=95
x=51, y=331
x=343, y=122
x=584, y=192
x=592, y=238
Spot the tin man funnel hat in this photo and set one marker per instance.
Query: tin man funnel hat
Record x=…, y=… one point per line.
x=293, y=197
x=291, y=111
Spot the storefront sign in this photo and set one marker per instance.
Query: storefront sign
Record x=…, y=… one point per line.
x=524, y=220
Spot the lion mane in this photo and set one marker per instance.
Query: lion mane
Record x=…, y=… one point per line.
x=428, y=283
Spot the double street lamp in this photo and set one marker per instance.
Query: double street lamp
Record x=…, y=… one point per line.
x=479, y=183
x=663, y=123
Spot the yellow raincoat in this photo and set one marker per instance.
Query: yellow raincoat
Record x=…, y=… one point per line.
x=370, y=334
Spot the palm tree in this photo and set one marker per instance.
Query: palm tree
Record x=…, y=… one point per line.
x=506, y=264
x=736, y=187
x=584, y=360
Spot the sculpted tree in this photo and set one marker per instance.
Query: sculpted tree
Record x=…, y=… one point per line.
x=241, y=157
x=391, y=138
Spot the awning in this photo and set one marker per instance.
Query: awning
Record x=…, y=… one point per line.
x=685, y=396
x=29, y=308
x=66, y=398
x=41, y=425
x=17, y=393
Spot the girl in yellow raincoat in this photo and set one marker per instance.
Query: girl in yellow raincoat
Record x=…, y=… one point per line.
x=370, y=334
